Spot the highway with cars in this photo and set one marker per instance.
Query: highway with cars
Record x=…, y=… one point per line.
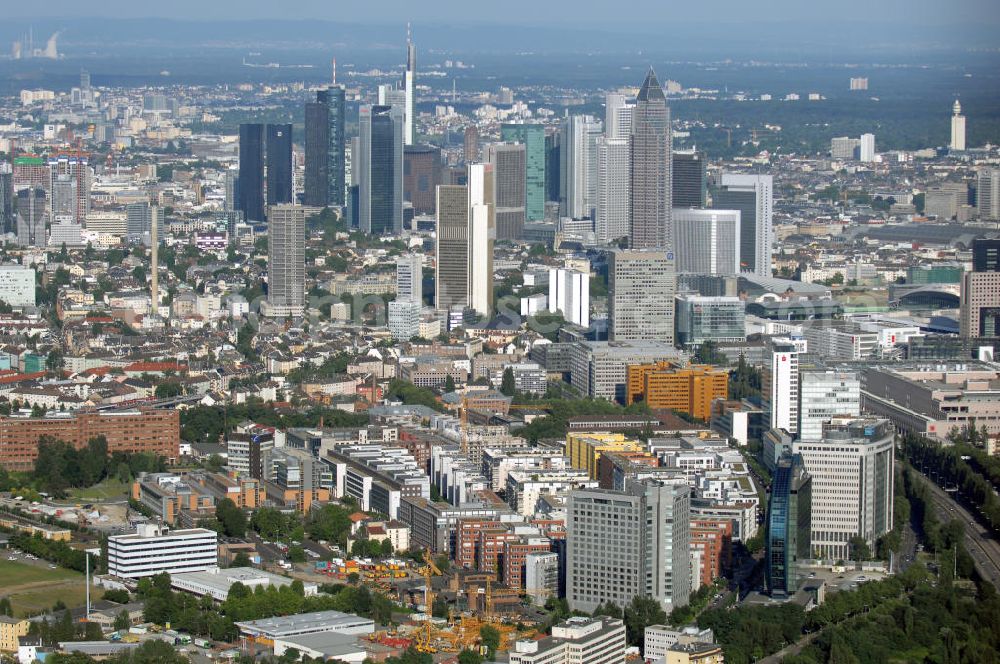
x=979, y=542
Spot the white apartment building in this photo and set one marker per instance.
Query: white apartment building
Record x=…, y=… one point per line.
x=579, y=640
x=17, y=285
x=525, y=488
x=569, y=292
x=153, y=549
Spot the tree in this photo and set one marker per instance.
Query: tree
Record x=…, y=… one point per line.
x=117, y=595
x=232, y=518
x=54, y=362
x=240, y=560
x=386, y=548
x=507, y=384
x=469, y=657
x=168, y=389
x=449, y=383
x=296, y=554
x=122, y=621
x=642, y=612
x=439, y=607
x=490, y=637
x=859, y=548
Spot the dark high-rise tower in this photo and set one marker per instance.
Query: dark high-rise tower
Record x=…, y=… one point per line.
x=552, y=173
x=688, y=180
x=317, y=176
x=335, y=150
x=7, y=199
x=324, y=181
x=421, y=176
x=279, y=164
x=379, y=170
x=651, y=186
x=250, y=186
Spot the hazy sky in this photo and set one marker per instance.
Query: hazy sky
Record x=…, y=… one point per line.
x=643, y=13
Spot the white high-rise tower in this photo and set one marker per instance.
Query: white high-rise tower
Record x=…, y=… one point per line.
x=409, y=80
x=957, y=128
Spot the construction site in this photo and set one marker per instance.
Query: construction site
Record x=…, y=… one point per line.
x=472, y=602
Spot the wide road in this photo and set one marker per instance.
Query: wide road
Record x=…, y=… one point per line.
x=980, y=544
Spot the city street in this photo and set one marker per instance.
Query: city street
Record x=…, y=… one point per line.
x=983, y=548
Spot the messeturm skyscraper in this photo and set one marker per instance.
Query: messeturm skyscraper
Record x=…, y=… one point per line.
x=651, y=162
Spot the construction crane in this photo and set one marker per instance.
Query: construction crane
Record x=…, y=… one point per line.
x=425, y=636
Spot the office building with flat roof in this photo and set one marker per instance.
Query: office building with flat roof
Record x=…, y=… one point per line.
x=153, y=549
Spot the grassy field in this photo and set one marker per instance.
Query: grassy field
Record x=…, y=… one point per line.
x=109, y=489
x=35, y=588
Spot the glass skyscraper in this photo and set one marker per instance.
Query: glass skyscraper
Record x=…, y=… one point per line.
x=532, y=136
x=325, y=167
x=250, y=186
x=317, y=175
x=690, y=185
x=380, y=172
x=279, y=164
x=789, y=520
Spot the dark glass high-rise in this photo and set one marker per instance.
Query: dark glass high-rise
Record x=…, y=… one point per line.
x=250, y=194
x=279, y=164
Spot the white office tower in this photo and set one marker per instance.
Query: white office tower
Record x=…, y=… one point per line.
x=65, y=232
x=286, y=260
x=626, y=544
x=569, y=292
x=825, y=394
x=391, y=95
x=707, y=241
x=482, y=233
x=404, y=312
x=614, y=201
x=852, y=484
x=409, y=278
x=754, y=197
x=409, y=82
x=957, y=128
x=780, y=384
x=578, y=166
x=153, y=549
x=404, y=319
x=867, y=148
x=988, y=194
x=642, y=284
x=63, y=198
x=617, y=115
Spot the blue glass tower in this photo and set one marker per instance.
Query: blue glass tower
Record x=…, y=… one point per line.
x=789, y=521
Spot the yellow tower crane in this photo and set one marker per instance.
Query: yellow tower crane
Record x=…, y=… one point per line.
x=425, y=635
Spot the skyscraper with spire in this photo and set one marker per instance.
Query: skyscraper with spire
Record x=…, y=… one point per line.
x=651, y=163
x=409, y=81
